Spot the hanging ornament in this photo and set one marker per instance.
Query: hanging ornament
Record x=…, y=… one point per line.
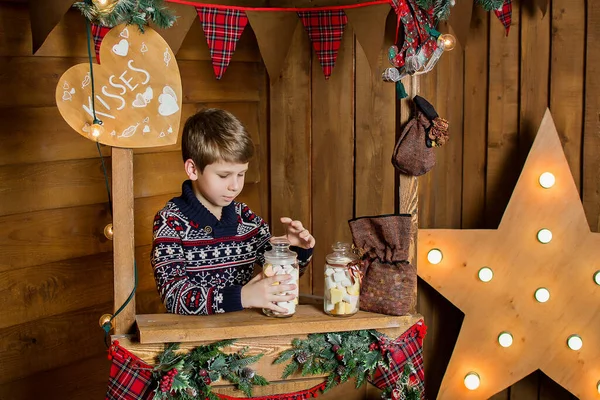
x=108, y=231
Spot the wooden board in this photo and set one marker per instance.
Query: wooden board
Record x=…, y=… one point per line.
x=49, y=343
x=567, y=75
x=475, y=121
x=503, y=119
x=290, y=155
x=375, y=136
x=164, y=328
x=332, y=106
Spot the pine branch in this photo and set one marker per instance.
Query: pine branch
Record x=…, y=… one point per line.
x=284, y=356
x=489, y=5
x=289, y=369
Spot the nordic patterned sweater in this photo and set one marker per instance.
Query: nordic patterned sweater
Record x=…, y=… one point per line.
x=200, y=263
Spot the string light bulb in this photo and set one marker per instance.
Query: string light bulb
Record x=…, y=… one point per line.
x=542, y=295
x=472, y=381
x=547, y=180
x=435, y=256
x=448, y=41
x=108, y=231
x=575, y=342
x=485, y=274
x=544, y=236
x=505, y=339
x=96, y=129
x=103, y=5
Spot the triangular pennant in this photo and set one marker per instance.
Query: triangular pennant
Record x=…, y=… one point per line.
x=325, y=29
x=369, y=27
x=98, y=33
x=504, y=14
x=274, y=31
x=44, y=16
x=460, y=20
x=222, y=29
x=175, y=34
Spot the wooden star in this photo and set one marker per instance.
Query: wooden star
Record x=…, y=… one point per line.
x=521, y=264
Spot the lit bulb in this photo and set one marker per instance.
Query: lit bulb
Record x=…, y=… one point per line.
x=447, y=41
x=434, y=256
x=544, y=235
x=597, y=278
x=547, y=180
x=485, y=274
x=598, y=386
x=574, y=342
x=96, y=129
x=102, y=5
x=472, y=381
x=505, y=339
x=542, y=295
x=108, y=231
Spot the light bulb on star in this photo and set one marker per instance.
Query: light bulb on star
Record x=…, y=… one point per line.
x=505, y=339
x=472, y=381
x=435, y=256
x=544, y=236
x=575, y=342
x=542, y=295
x=547, y=180
x=485, y=274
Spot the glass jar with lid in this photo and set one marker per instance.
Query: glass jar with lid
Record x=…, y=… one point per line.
x=342, y=281
x=280, y=260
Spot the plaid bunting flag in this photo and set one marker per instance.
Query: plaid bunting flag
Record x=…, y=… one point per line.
x=222, y=29
x=407, y=347
x=325, y=29
x=504, y=14
x=98, y=33
x=130, y=378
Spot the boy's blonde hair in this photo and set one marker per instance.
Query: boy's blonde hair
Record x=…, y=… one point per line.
x=213, y=135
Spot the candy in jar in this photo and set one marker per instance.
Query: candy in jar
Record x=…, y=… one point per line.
x=342, y=281
x=280, y=260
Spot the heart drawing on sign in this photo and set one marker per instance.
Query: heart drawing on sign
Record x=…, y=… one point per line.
x=121, y=48
x=125, y=92
x=168, y=102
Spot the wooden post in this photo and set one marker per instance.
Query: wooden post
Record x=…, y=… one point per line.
x=123, y=238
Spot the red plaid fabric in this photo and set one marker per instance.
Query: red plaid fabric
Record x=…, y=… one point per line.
x=130, y=378
x=407, y=347
x=98, y=33
x=222, y=29
x=504, y=14
x=325, y=29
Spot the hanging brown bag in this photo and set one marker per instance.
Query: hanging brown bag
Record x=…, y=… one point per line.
x=389, y=283
x=413, y=154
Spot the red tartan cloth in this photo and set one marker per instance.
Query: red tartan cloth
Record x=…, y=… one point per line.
x=504, y=14
x=130, y=378
x=407, y=347
x=325, y=29
x=223, y=29
x=98, y=33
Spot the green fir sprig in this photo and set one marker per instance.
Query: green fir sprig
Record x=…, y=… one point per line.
x=489, y=5
x=132, y=12
x=441, y=8
x=187, y=376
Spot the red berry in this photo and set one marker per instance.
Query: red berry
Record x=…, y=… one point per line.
x=203, y=372
x=335, y=348
x=207, y=380
x=339, y=357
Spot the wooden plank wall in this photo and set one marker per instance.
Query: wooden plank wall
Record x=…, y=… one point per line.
x=56, y=271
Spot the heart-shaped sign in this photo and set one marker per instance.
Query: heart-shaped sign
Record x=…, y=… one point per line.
x=133, y=89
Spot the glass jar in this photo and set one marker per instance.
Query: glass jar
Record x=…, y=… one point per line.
x=281, y=260
x=342, y=283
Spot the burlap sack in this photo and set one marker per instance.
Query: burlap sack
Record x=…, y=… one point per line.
x=411, y=155
x=389, y=284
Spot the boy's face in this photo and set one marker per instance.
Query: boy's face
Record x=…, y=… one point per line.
x=219, y=184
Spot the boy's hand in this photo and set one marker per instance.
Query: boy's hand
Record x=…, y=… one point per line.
x=297, y=235
x=263, y=292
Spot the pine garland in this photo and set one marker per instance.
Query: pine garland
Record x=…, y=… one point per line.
x=132, y=12
x=489, y=5
x=188, y=376
x=441, y=8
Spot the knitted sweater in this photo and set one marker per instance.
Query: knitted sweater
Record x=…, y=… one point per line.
x=201, y=263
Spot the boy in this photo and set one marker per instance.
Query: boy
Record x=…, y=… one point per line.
x=205, y=244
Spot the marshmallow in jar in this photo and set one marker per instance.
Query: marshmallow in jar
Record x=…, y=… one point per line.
x=342, y=284
x=280, y=260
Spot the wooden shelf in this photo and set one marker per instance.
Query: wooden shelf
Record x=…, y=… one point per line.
x=251, y=323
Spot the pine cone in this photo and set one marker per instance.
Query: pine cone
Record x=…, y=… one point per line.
x=247, y=373
x=340, y=370
x=301, y=358
x=191, y=392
